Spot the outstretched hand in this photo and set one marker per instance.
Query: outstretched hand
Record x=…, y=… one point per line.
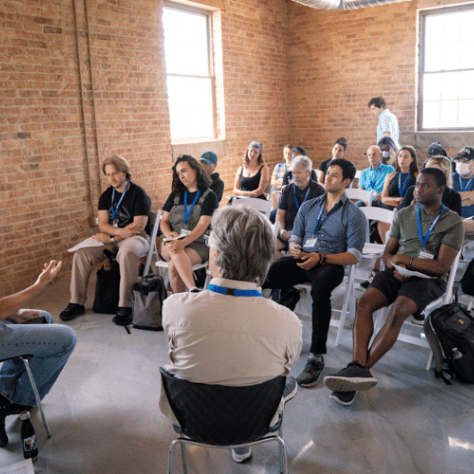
x=49, y=273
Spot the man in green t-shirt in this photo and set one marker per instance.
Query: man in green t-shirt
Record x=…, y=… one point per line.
x=425, y=237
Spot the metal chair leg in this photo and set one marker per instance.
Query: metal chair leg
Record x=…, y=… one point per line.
x=38, y=399
x=185, y=461
x=171, y=457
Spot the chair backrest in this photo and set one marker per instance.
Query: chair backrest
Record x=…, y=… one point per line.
x=223, y=415
x=360, y=194
x=255, y=203
x=448, y=295
x=276, y=228
x=378, y=214
x=155, y=218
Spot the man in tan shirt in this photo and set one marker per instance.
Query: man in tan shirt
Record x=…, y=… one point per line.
x=229, y=334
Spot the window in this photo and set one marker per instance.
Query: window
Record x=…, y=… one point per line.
x=446, y=74
x=189, y=69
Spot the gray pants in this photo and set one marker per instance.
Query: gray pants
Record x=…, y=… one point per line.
x=129, y=252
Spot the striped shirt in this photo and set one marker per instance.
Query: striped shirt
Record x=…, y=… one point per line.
x=388, y=123
x=343, y=228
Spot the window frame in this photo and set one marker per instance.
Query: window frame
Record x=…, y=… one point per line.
x=421, y=64
x=212, y=76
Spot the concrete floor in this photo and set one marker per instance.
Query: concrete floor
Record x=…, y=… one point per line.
x=104, y=416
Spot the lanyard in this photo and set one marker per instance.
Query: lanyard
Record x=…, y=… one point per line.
x=286, y=169
x=186, y=213
x=374, y=180
x=305, y=196
x=319, y=221
x=114, y=210
x=232, y=291
x=464, y=188
x=420, y=230
x=400, y=188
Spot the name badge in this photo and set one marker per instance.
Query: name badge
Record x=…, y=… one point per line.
x=115, y=223
x=425, y=255
x=185, y=232
x=311, y=242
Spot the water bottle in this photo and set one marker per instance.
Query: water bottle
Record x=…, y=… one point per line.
x=28, y=437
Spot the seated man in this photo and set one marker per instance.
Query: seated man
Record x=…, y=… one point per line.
x=292, y=197
x=229, y=334
x=424, y=237
x=329, y=232
x=20, y=334
x=373, y=177
x=123, y=222
x=288, y=176
x=208, y=162
x=463, y=183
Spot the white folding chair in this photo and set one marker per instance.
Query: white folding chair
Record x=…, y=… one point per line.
x=259, y=204
x=153, y=252
x=360, y=195
x=376, y=214
x=419, y=339
x=357, y=176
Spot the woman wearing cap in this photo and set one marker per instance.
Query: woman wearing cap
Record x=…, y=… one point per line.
x=252, y=178
x=338, y=149
x=187, y=214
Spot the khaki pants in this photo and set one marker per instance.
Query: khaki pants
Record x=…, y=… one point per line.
x=129, y=252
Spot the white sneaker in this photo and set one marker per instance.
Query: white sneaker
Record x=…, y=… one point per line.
x=243, y=457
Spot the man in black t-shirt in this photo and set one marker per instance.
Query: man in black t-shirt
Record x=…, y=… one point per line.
x=123, y=222
x=292, y=197
x=208, y=162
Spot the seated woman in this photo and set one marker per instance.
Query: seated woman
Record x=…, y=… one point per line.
x=252, y=178
x=389, y=150
x=338, y=149
x=451, y=198
x=278, y=173
x=395, y=186
x=186, y=214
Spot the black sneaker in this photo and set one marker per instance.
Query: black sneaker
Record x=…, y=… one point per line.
x=418, y=318
x=291, y=387
x=353, y=378
x=311, y=373
x=123, y=317
x=344, y=398
x=365, y=284
x=72, y=311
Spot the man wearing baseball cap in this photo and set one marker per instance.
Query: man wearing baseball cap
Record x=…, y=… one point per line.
x=208, y=162
x=463, y=183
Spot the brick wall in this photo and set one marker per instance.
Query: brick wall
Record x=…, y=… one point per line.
x=51, y=154
x=339, y=60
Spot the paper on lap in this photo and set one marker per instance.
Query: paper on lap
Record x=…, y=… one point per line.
x=412, y=273
x=90, y=242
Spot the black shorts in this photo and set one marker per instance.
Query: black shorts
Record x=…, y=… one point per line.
x=420, y=290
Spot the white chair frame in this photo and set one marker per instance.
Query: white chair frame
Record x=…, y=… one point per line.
x=360, y=195
x=255, y=203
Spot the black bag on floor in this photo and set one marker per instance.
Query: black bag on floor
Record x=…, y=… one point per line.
x=107, y=286
x=467, y=281
x=148, y=294
x=450, y=331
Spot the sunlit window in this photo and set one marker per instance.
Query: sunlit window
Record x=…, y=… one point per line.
x=189, y=74
x=447, y=69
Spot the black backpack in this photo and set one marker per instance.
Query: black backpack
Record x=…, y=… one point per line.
x=450, y=331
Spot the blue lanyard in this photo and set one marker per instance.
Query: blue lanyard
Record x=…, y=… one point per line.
x=186, y=213
x=114, y=210
x=464, y=188
x=286, y=169
x=305, y=196
x=232, y=291
x=400, y=188
x=319, y=221
x=374, y=180
x=420, y=230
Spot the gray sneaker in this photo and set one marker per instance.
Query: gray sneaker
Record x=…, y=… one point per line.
x=351, y=379
x=344, y=398
x=311, y=373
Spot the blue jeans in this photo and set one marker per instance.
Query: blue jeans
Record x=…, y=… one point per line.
x=49, y=344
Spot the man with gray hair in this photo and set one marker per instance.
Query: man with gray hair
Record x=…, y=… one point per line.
x=229, y=334
x=292, y=196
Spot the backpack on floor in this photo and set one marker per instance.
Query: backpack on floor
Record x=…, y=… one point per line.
x=148, y=294
x=107, y=286
x=450, y=332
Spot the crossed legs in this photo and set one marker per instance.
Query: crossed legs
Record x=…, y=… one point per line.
x=180, y=267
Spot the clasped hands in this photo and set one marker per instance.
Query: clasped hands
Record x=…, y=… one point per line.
x=308, y=260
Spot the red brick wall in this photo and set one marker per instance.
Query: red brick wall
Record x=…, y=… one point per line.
x=338, y=60
x=49, y=186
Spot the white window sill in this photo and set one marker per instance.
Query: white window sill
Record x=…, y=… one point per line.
x=196, y=149
x=455, y=139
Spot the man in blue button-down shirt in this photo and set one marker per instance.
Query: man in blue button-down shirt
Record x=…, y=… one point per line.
x=373, y=177
x=329, y=232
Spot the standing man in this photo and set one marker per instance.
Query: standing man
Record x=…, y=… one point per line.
x=463, y=183
x=388, y=123
x=292, y=197
x=329, y=232
x=424, y=237
x=208, y=161
x=373, y=177
x=123, y=223
x=229, y=334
